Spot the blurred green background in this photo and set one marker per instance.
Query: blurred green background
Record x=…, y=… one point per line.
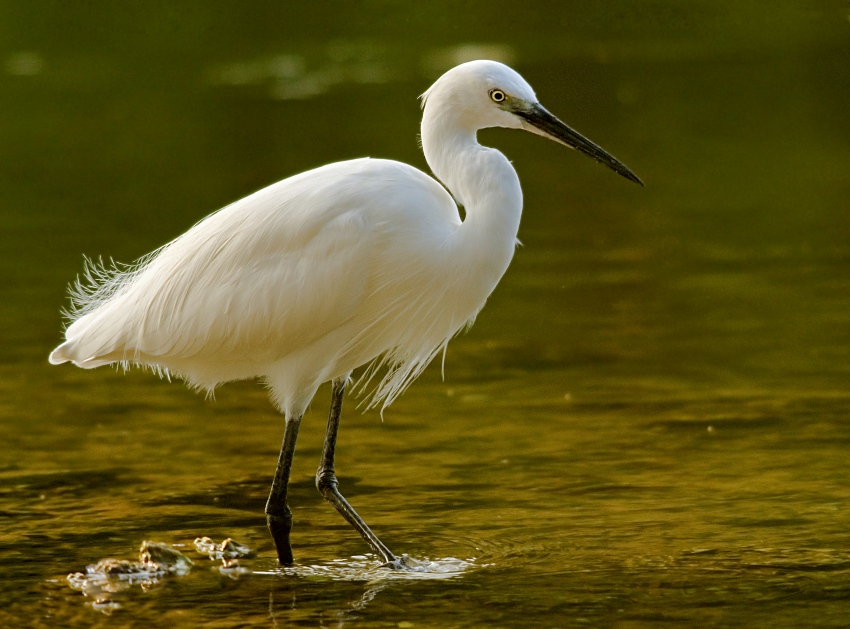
x=661, y=376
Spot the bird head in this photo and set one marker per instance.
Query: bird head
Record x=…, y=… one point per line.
x=483, y=94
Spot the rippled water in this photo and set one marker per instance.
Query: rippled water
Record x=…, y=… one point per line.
x=648, y=424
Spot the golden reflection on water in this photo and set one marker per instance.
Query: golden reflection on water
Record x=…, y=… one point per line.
x=648, y=423
x=644, y=498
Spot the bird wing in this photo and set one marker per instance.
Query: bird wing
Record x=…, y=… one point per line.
x=260, y=278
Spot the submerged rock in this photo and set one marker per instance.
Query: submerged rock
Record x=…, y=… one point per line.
x=108, y=576
x=165, y=557
x=229, y=552
x=228, y=549
x=157, y=562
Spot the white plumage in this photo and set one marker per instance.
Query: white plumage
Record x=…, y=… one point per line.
x=308, y=279
x=354, y=262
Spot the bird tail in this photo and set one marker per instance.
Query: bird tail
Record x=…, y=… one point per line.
x=60, y=354
x=92, y=335
x=69, y=352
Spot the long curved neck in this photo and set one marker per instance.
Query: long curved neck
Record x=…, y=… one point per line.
x=480, y=178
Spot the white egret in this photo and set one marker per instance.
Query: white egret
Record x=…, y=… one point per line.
x=359, y=262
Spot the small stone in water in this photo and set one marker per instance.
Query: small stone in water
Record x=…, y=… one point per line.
x=105, y=605
x=164, y=557
x=231, y=548
x=108, y=576
x=232, y=568
x=228, y=549
x=118, y=567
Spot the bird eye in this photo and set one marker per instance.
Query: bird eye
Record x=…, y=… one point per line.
x=497, y=95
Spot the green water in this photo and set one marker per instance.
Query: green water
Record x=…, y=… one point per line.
x=647, y=426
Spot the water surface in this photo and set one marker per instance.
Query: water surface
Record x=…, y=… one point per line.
x=648, y=423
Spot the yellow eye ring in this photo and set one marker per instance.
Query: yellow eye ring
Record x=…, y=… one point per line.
x=497, y=96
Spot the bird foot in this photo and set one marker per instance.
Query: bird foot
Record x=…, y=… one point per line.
x=400, y=563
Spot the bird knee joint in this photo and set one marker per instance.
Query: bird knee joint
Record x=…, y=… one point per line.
x=326, y=481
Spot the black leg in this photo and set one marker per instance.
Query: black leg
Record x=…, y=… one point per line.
x=327, y=483
x=278, y=513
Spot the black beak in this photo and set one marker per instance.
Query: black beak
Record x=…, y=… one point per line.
x=549, y=126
